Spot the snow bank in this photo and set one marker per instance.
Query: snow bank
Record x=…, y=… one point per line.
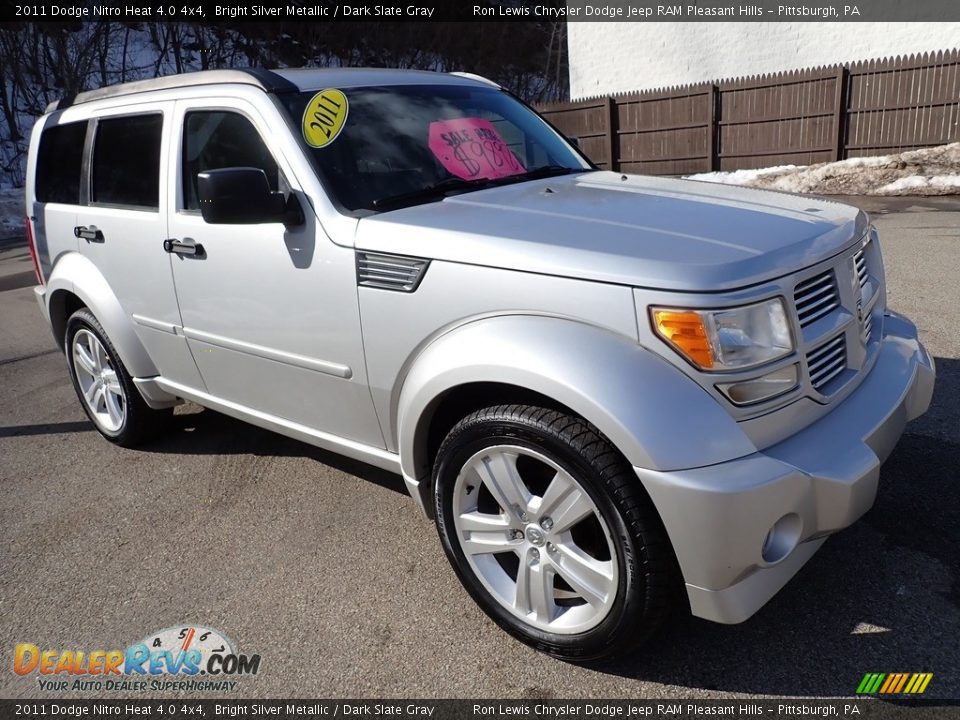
x=929, y=171
x=919, y=182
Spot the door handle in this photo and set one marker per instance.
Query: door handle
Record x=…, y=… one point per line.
x=90, y=234
x=183, y=247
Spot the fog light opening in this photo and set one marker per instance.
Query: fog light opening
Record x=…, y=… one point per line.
x=781, y=539
x=765, y=387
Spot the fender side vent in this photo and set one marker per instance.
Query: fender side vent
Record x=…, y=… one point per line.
x=390, y=272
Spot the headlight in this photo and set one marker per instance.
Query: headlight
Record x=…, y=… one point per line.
x=728, y=339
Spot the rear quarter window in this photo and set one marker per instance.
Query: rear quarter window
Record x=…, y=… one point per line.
x=126, y=161
x=60, y=163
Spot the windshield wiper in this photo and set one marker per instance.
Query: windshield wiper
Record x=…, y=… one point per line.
x=440, y=189
x=545, y=172
x=437, y=190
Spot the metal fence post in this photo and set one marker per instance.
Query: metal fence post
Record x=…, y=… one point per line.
x=613, y=146
x=840, y=113
x=713, y=161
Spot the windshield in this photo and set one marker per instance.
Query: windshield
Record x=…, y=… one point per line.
x=379, y=148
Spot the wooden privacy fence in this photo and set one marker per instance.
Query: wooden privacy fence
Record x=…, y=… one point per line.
x=802, y=117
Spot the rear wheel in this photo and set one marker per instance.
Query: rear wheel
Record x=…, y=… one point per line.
x=105, y=388
x=551, y=533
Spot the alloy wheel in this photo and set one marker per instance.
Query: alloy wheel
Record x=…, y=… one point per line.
x=535, y=539
x=99, y=384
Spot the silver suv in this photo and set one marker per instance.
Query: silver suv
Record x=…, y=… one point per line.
x=616, y=395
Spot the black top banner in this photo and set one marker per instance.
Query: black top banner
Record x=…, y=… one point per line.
x=482, y=10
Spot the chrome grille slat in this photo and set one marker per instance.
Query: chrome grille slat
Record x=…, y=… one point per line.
x=814, y=356
x=821, y=279
x=824, y=379
x=860, y=265
x=366, y=262
x=390, y=272
x=812, y=307
x=827, y=361
x=816, y=297
x=824, y=289
x=387, y=278
x=407, y=274
x=867, y=327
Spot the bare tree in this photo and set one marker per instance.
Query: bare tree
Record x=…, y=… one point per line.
x=42, y=62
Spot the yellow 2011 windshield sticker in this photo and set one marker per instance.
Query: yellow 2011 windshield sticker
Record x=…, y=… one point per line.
x=324, y=117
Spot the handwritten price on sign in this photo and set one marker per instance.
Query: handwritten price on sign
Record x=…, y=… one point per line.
x=471, y=148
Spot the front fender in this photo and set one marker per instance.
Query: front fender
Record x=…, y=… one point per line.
x=653, y=413
x=76, y=274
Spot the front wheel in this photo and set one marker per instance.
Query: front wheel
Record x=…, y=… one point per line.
x=551, y=533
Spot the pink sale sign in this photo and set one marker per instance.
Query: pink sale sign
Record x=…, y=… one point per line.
x=471, y=148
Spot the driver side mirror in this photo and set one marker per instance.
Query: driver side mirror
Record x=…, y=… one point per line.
x=242, y=196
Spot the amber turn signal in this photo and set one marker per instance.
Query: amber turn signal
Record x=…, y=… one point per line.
x=685, y=331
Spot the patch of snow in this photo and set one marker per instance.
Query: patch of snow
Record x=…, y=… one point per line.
x=739, y=177
x=927, y=171
x=863, y=162
x=918, y=182
x=864, y=628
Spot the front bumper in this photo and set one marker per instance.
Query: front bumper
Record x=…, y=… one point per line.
x=821, y=480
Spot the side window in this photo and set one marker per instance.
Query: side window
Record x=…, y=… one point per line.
x=126, y=161
x=60, y=163
x=218, y=139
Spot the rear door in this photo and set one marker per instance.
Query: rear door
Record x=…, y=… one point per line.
x=52, y=208
x=123, y=223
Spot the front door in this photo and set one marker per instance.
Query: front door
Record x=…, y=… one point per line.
x=269, y=311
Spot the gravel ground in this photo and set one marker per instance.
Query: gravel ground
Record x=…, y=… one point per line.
x=324, y=567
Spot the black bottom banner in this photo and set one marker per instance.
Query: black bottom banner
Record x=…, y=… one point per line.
x=477, y=709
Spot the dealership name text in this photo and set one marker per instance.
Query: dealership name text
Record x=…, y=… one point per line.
x=577, y=11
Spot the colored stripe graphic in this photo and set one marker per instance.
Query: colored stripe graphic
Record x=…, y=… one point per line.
x=870, y=683
x=894, y=683
x=903, y=680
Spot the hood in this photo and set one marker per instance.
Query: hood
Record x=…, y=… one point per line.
x=631, y=230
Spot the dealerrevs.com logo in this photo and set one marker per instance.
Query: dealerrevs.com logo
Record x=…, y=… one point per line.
x=187, y=657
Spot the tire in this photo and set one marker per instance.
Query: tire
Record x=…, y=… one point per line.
x=104, y=387
x=618, y=576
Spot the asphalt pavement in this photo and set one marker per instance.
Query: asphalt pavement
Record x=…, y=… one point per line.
x=325, y=568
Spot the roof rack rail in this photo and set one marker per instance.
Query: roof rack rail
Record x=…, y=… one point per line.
x=478, y=78
x=266, y=80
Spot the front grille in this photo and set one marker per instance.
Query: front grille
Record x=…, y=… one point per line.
x=390, y=272
x=860, y=264
x=816, y=297
x=827, y=361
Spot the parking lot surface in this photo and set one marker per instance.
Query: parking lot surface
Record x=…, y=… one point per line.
x=326, y=569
